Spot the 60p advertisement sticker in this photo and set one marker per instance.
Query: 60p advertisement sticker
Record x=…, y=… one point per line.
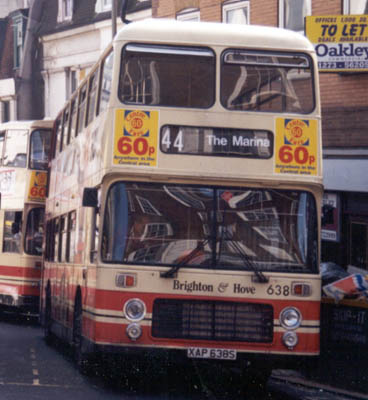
x=296, y=146
x=136, y=135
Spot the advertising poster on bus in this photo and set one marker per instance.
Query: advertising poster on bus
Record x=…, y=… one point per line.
x=340, y=41
x=135, y=140
x=37, y=187
x=296, y=146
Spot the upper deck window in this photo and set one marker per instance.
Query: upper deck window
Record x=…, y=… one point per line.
x=167, y=76
x=40, y=149
x=267, y=82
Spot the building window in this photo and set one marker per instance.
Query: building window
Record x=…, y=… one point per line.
x=293, y=12
x=18, y=40
x=4, y=111
x=355, y=6
x=71, y=81
x=103, y=5
x=236, y=12
x=65, y=10
x=189, y=14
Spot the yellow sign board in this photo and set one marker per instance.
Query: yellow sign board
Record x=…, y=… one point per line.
x=135, y=140
x=37, y=187
x=296, y=146
x=340, y=41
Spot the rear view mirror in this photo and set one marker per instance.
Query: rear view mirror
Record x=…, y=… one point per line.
x=90, y=197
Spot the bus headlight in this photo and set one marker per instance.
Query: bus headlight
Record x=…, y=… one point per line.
x=134, y=331
x=134, y=310
x=290, y=318
x=290, y=339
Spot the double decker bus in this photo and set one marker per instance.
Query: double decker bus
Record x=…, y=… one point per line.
x=184, y=200
x=24, y=152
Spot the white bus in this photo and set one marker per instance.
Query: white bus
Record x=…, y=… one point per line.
x=24, y=152
x=184, y=199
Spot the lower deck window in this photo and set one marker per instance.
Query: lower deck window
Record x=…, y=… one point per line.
x=12, y=232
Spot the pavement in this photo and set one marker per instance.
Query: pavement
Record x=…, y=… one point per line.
x=343, y=371
x=301, y=379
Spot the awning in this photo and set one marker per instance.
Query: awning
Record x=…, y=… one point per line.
x=348, y=175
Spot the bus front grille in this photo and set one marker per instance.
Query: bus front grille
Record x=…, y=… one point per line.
x=212, y=320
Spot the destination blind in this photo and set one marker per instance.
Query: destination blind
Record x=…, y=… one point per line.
x=177, y=139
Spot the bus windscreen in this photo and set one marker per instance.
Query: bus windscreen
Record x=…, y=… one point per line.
x=219, y=228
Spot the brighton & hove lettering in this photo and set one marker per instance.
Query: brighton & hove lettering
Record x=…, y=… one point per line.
x=193, y=286
x=238, y=288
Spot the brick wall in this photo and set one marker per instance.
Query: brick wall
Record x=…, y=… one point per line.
x=344, y=97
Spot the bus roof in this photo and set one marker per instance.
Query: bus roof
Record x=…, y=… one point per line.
x=43, y=123
x=214, y=33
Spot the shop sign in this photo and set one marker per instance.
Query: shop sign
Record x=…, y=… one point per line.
x=340, y=41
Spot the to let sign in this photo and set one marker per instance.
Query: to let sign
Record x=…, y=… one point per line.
x=340, y=41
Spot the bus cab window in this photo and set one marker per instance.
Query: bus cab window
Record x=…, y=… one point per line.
x=16, y=148
x=40, y=148
x=12, y=231
x=34, y=232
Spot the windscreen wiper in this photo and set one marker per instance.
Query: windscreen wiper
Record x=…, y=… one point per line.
x=247, y=262
x=173, y=270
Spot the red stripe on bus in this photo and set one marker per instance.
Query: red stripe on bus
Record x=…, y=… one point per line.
x=115, y=300
x=24, y=272
x=115, y=334
x=19, y=290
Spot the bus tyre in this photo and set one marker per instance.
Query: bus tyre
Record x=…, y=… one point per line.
x=80, y=358
x=47, y=318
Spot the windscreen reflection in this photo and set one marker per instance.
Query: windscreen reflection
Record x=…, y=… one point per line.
x=212, y=228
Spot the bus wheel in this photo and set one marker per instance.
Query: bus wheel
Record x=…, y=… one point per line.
x=47, y=319
x=80, y=358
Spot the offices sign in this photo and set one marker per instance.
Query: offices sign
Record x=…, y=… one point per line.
x=340, y=41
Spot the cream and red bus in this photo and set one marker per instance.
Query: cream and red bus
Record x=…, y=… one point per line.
x=184, y=199
x=24, y=152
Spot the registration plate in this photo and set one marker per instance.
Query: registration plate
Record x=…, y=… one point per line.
x=211, y=353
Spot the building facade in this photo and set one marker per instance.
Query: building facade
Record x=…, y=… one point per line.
x=344, y=108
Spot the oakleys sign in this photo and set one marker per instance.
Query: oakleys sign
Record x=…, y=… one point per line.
x=340, y=41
